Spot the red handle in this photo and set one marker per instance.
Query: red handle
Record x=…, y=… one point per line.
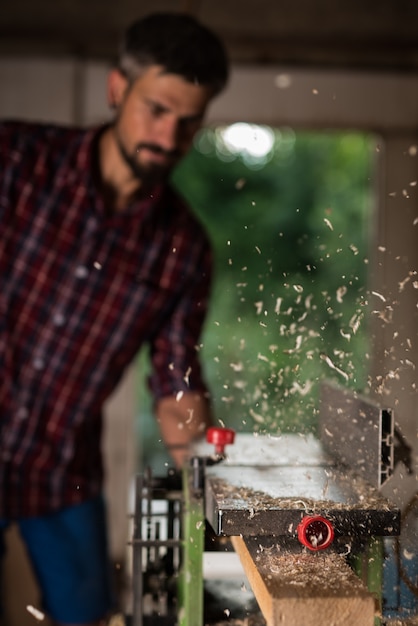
x=220, y=437
x=315, y=532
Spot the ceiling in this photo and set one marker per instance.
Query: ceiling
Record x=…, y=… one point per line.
x=359, y=34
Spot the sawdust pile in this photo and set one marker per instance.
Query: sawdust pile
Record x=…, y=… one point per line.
x=324, y=575
x=253, y=500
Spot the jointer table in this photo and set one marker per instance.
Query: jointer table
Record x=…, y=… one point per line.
x=262, y=494
x=308, y=529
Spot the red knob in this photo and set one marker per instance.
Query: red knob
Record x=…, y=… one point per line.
x=316, y=532
x=220, y=437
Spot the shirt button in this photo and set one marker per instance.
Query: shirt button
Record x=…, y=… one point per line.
x=81, y=271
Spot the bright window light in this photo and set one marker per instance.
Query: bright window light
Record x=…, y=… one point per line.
x=249, y=140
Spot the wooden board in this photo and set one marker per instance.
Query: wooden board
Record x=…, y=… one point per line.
x=304, y=589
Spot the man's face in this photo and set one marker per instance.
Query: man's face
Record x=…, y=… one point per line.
x=157, y=118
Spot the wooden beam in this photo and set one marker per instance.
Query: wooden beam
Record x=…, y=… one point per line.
x=304, y=589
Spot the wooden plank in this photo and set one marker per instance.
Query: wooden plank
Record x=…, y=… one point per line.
x=304, y=589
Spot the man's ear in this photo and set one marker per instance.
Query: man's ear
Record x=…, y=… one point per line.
x=117, y=85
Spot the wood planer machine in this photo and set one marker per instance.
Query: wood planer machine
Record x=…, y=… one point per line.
x=304, y=515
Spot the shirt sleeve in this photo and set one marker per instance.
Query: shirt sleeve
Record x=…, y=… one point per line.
x=174, y=351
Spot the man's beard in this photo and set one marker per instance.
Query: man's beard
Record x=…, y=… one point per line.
x=150, y=173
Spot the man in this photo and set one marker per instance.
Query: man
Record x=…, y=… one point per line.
x=99, y=256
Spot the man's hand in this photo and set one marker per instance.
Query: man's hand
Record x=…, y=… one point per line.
x=182, y=419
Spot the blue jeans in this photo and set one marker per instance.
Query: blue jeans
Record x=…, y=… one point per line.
x=69, y=555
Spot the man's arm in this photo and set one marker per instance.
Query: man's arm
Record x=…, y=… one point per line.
x=182, y=419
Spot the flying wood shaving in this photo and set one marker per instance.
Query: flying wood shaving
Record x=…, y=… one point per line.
x=403, y=283
x=385, y=316
x=240, y=384
x=297, y=346
x=256, y=416
x=302, y=390
x=187, y=376
x=328, y=361
x=379, y=295
x=35, y=612
x=355, y=323
x=345, y=335
x=341, y=291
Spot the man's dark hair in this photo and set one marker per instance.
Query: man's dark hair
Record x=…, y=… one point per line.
x=180, y=44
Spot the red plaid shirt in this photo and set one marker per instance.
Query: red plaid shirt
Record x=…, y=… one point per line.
x=80, y=292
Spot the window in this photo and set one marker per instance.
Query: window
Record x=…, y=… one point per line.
x=290, y=215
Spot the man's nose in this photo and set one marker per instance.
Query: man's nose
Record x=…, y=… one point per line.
x=169, y=134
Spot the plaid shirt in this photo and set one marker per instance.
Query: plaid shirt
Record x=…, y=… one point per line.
x=80, y=292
